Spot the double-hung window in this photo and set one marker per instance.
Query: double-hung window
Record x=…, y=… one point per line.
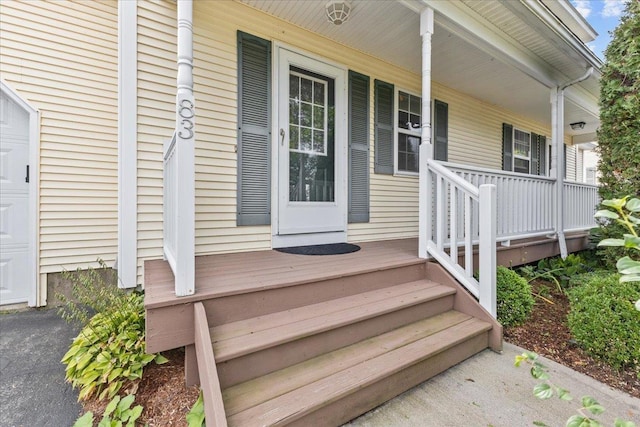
x=408, y=119
x=521, y=151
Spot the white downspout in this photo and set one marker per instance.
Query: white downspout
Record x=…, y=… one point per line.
x=557, y=155
x=426, y=148
x=185, y=152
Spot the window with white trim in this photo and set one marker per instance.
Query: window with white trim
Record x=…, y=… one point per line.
x=408, y=134
x=521, y=151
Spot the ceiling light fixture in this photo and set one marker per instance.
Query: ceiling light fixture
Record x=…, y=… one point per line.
x=577, y=125
x=338, y=12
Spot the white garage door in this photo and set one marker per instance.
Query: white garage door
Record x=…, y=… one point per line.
x=15, y=266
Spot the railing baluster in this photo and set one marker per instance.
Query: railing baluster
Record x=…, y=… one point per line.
x=453, y=224
x=440, y=215
x=468, y=237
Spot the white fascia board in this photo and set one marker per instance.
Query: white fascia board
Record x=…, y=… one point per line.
x=565, y=11
x=473, y=28
x=127, y=144
x=552, y=21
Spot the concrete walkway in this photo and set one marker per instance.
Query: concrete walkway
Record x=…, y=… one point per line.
x=487, y=390
x=33, y=392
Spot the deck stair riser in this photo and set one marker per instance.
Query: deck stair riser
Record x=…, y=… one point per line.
x=169, y=325
x=255, y=347
x=317, y=388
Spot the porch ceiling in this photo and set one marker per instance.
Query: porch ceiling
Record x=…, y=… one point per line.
x=389, y=30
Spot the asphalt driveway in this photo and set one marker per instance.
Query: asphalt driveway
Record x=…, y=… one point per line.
x=33, y=392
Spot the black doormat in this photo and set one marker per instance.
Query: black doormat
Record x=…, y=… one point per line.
x=331, y=249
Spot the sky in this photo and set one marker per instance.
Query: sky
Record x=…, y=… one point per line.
x=603, y=15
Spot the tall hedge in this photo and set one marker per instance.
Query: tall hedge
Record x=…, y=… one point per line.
x=619, y=133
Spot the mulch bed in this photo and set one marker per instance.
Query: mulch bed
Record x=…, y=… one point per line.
x=547, y=334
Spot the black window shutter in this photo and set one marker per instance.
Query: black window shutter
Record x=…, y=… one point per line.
x=384, y=109
x=441, y=130
x=507, y=147
x=358, y=147
x=564, y=164
x=543, y=155
x=535, y=154
x=254, y=130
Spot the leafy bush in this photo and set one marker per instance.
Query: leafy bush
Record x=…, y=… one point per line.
x=558, y=270
x=93, y=291
x=117, y=413
x=110, y=348
x=603, y=320
x=618, y=143
x=514, y=299
x=609, y=255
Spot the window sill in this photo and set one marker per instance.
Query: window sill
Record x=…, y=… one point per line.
x=406, y=174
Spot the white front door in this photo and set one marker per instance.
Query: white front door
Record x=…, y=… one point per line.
x=312, y=184
x=15, y=266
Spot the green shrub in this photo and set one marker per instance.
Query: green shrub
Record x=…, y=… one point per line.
x=558, y=270
x=117, y=413
x=110, y=348
x=514, y=299
x=93, y=290
x=603, y=320
x=609, y=255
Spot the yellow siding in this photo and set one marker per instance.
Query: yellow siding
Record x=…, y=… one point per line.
x=63, y=58
x=475, y=127
x=572, y=163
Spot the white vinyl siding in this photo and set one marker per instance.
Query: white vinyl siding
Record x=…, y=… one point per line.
x=63, y=58
x=571, y=161
x=475, y=127
x=156, y=118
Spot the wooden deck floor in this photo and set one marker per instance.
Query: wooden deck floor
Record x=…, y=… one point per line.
x=236, y=273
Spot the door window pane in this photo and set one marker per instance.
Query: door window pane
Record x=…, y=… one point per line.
x=311, y=136
x=308, y=112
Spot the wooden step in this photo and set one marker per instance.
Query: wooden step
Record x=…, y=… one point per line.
x=254, y=347
x=307, y=393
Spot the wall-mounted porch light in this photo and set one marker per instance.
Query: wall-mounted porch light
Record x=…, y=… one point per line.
x=577, y=125
x=338, y=12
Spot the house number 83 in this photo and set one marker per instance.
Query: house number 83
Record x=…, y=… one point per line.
x=185, y=111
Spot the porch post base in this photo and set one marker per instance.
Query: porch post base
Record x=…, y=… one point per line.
x=563, y=245
x=191, y=374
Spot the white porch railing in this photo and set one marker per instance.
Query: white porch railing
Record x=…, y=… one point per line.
x=580, y=205
x=456, y=206
x=170, y=214
x=525, y=203
x=477, y=206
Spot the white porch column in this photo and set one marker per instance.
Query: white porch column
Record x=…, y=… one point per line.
x=557, y=154
x=185, y=154
x=426, y=148
x=127, y=260
x=557, y=163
